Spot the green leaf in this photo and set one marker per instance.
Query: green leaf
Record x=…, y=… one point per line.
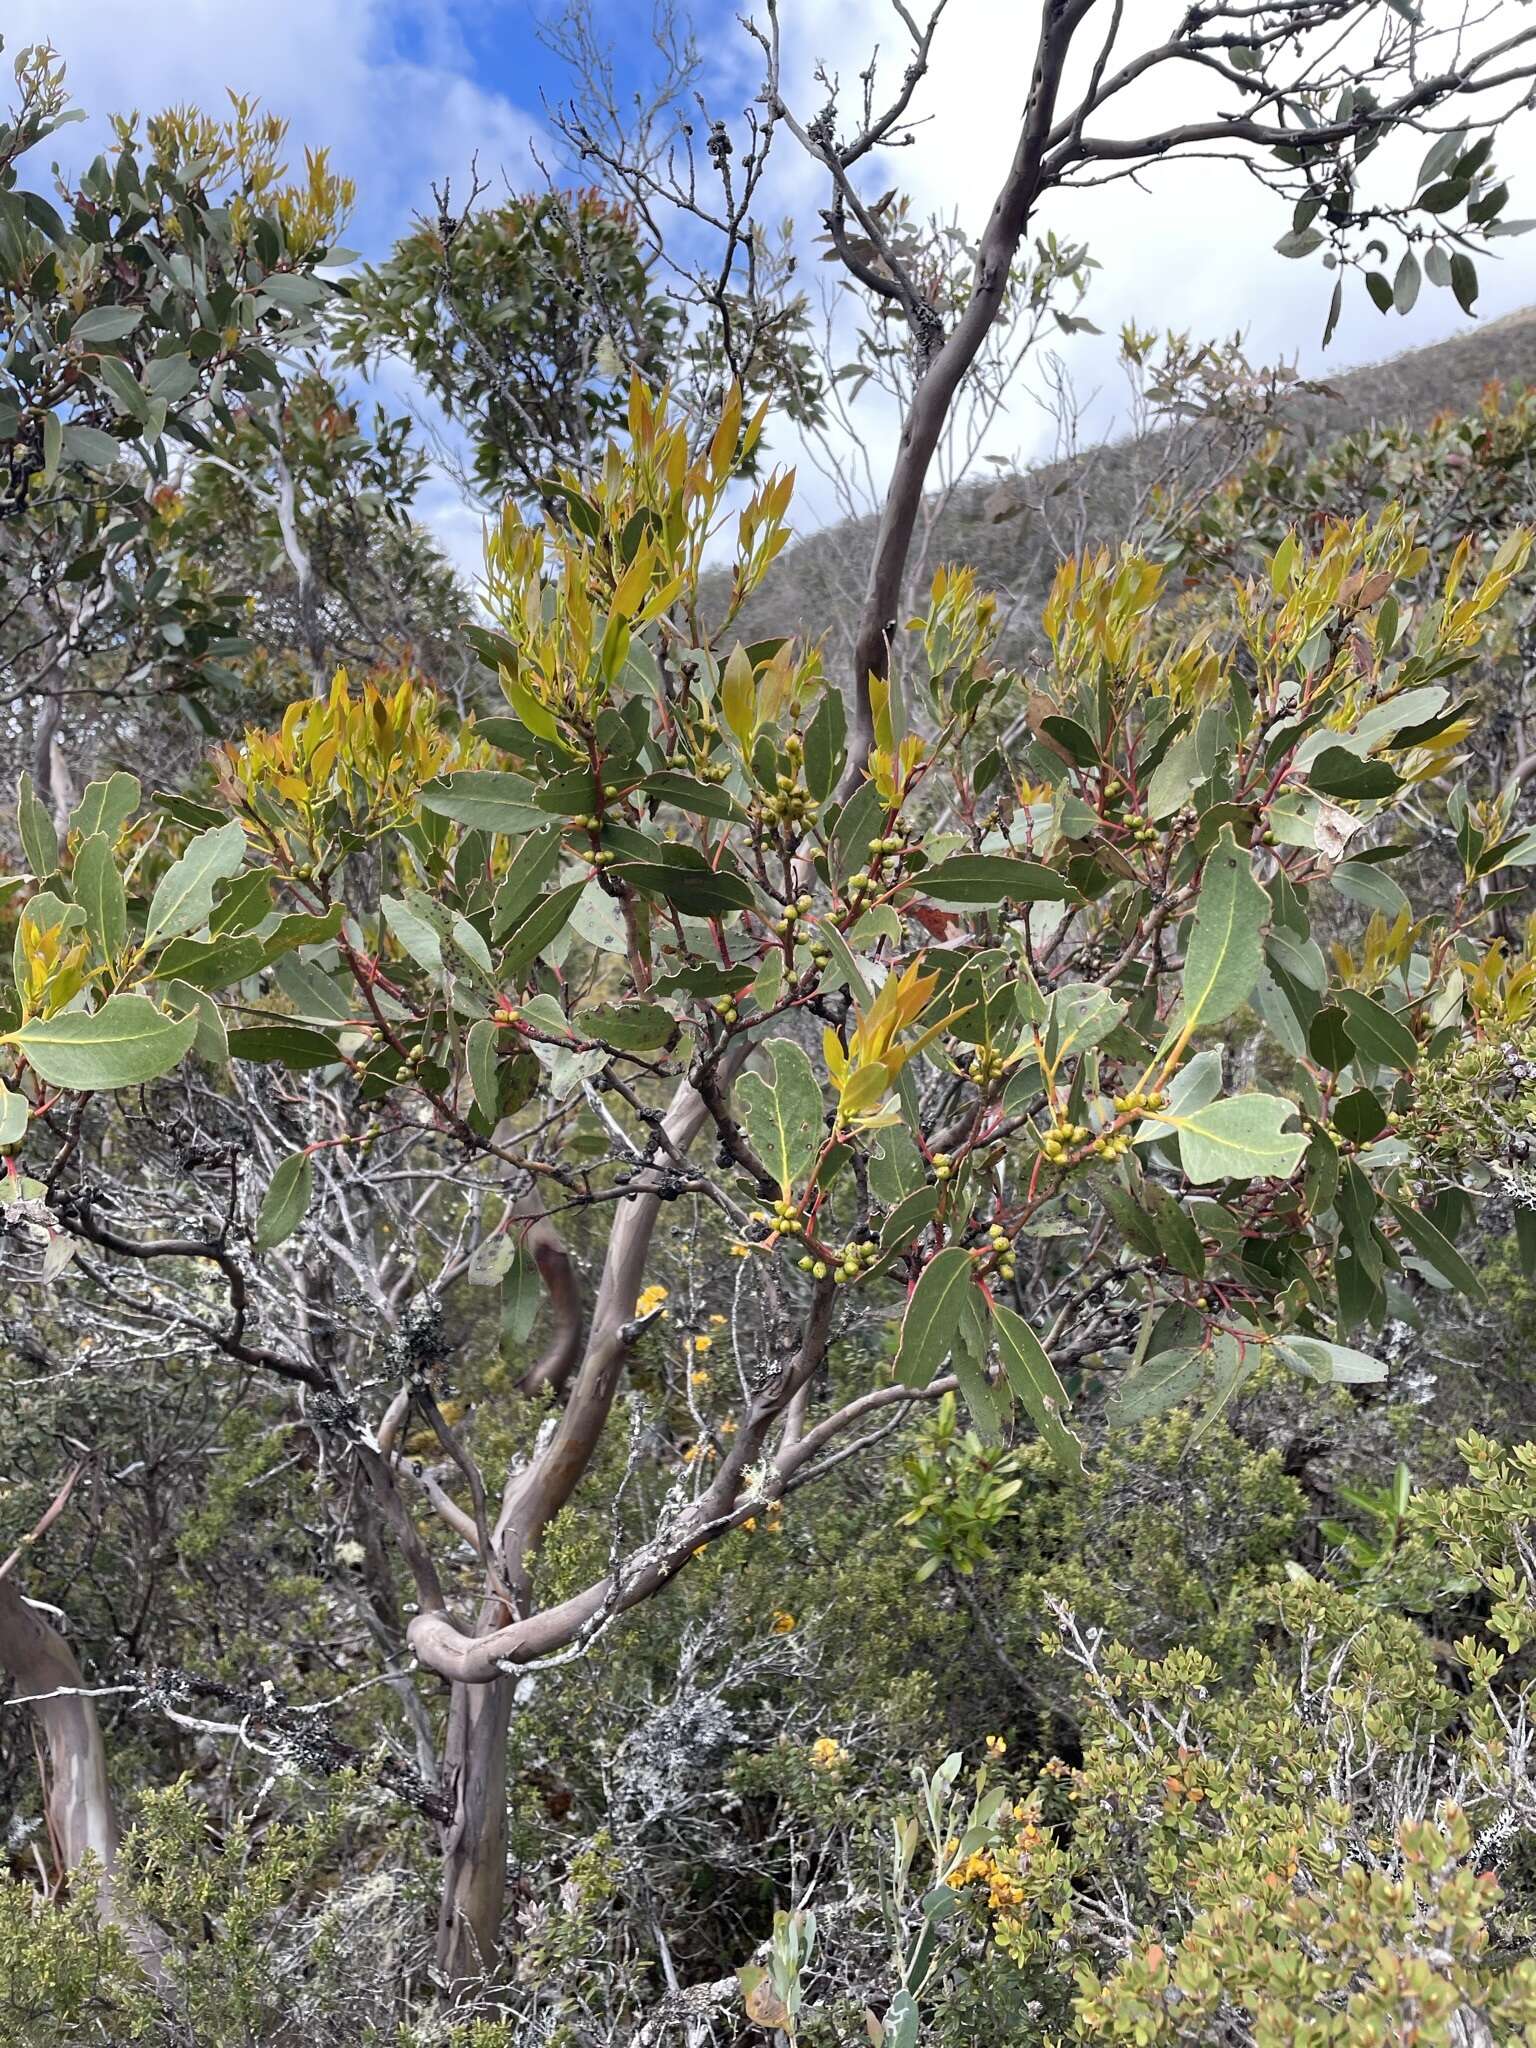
x=301, y=928
x=687, y=793
x=1175, y=778
x=243, y=903
x=1436, y=1249
x=171, y=378
x=419, y=937
x=933, y=1316
x=39, y=841
x=1525, y=1240
x=696, y=891
x=1034, y=1379
x=1226, y=945
x=1337, y=772
x=975, y=879
x=1375, y=1032
x=528, y=870
x=212, y=1040
x=1405, y=285
x=489, y=799
x=1230, y=1363
x=1156, y=1385
x=857, y=821
x=207, y=963
x=1464, y=280
x=100, y=893
x=490, y=1260
x=538, y=927
x=14, y=1114
x=293, y=291
x=911, y=1214
x=284, y=1205
x=106, y=806
x=125, y=1043
x=844, y=969
x=1362, y=882
x=1177, y=1238
x=521, y=1293
x=106, y=323
x=632, y=1027
x=1328, y=1039
x=826, y=747
x=783, y=1117
x=184, y=898
x=896, y=1167
x=1080, y=1016
x=968, y=1363
x=295, y=1046
x=1238, y=1138
x=1443, y=152
x=1332, y=1364
x=127, y=399
x=1071, y=738
x=481, y=1051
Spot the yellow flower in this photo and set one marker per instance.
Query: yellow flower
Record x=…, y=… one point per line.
x=728, y=1426
x=782, y=1623
x=702, y=1344
x=718, y=1321
x=827, y=1754
x=698, y=1379
x=996, y=1747
x=650, y=1300
x=750, y=1523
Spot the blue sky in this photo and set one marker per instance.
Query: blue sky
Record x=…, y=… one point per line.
x=405, y=91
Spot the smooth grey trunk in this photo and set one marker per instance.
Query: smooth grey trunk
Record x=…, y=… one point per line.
x=474, y=1877
x=82, y=1818
x=945, y=368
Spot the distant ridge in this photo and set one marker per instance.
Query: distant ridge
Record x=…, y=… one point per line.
x=815, y=585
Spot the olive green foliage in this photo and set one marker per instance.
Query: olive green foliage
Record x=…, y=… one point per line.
x=526, y=320
x=147, y=314
x=1013, y=1167
x=543, y=1180
x=1314, y=1842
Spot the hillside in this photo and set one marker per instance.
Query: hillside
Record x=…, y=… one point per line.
x=1063, y=506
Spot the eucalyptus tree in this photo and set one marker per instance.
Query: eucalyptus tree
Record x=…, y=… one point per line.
x=940, y=1068
x=145, y=314
x=1307, y=97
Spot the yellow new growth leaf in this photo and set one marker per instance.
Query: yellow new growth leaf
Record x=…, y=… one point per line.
x=738, y=696
x=874, y=1047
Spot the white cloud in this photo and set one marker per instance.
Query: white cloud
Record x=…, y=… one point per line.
x=389, y=85
x=337, y=70
x=1189, y=247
